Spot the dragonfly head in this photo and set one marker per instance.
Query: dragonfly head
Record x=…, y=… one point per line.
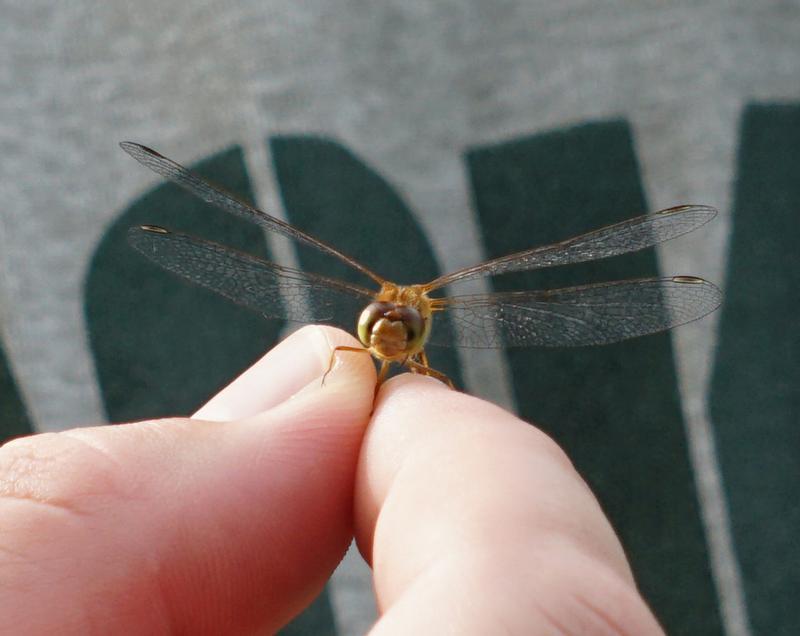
x=392, y=331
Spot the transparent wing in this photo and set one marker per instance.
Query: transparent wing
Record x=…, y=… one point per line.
x=577, y=316
x=628, y=236
x=201, y=188
x=269, y=288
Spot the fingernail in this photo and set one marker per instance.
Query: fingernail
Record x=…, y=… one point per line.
x=293, y=365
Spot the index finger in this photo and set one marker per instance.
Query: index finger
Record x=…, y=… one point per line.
x=473, y=519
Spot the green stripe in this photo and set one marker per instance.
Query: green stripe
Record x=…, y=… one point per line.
x=614, y=409
x=755, y=398
x=332, y=194
x=316, y=620
x=335, y=196
x=14, y=419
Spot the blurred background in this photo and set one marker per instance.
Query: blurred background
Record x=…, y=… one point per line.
x=421, y=136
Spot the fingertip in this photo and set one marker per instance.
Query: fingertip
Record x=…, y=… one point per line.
x=439, y=468
x=298, y=361
x=415, y=417
x=351, y=364
x=413, y=411
x=411, y=382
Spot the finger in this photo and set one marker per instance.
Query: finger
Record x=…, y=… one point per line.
x=473, y=519
x=188, y=526
x=290, y=365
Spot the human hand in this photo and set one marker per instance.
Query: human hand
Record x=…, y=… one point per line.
x=231, y=522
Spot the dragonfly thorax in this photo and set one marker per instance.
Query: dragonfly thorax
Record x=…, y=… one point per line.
x=393, y=331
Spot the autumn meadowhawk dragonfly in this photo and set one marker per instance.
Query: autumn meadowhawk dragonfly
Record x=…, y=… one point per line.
x=395, y=322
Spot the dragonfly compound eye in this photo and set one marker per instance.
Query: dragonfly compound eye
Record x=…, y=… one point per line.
x=393, y=331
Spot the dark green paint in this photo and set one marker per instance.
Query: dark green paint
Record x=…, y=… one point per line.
x=316, y=620
x=333, y=195
x=163, y=346
x=614, y=409
x=755, y=396
x=14, y=419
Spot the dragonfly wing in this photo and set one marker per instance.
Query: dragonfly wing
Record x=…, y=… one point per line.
x=577, y=316
x=209, y=193
x=268, y=288
x=628, y=236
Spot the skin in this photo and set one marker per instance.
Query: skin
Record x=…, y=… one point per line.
x=231, y=522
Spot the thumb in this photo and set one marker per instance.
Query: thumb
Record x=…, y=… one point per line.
x=190, y=526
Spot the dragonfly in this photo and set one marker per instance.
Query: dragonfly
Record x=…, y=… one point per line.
x=394, y=322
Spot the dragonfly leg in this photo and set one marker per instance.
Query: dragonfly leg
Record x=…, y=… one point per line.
x=424, y=369
x=333, y=358
x=385, y=364
x=423, y=358
x=383, y=372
